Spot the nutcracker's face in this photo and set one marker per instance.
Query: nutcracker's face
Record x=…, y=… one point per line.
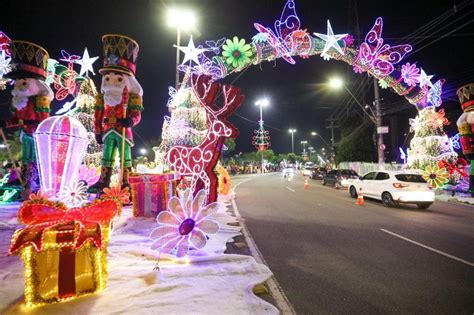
x=23, y=89
x=112, y=87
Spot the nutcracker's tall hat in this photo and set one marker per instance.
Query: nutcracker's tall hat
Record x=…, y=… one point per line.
x=120, y=54
x=466, y=97
x=29, y=60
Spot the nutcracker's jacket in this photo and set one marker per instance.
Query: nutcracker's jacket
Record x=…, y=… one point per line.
x=107, y=118
x=28, y=118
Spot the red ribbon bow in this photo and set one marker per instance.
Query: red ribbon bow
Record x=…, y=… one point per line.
x=456, y=166
x=43, y=216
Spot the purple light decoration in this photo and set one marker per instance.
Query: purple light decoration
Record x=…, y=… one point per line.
x=61, y=143
x=377, y=56
x=282, y=41
x=410, y=74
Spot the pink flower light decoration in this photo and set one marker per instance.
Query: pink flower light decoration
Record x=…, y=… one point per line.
x=185, y=224
x=410, y=74
x=89, y=175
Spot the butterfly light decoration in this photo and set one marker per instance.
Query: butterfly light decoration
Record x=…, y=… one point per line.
x=282, y=40
x=377, y=57
x=206, y=65
x=454, y=142
x=433, y=97
x=65, y=83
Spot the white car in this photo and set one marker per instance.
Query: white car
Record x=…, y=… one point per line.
x=307, y=171
x=394, y=187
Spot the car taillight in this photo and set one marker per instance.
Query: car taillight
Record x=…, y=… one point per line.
x=400, y=185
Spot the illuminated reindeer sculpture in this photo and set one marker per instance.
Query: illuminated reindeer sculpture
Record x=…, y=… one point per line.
x=199, y=162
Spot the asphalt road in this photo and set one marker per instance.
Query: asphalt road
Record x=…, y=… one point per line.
x=331, y=256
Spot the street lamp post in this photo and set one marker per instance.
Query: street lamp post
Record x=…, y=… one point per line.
x=183, y=20
x=376, y=119
x=292, y=131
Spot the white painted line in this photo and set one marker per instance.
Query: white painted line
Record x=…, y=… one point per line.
x=290, y=189
x=430, y=248
x=275, y=289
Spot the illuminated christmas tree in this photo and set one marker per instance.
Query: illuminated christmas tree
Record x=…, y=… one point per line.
x=261, y=139
x=187, y=123
x=84, y=112
x=430, y=143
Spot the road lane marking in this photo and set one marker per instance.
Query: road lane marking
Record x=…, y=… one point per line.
x=281, y=301
x=430, y=248
x=290, y=189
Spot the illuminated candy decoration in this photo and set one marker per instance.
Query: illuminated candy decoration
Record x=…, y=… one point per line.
x=376, y=55
x=199, y=162
x=425, y=80
x=70, y=244
x=61, y=143
x=436, y=176
x=410, y=74
x=331, y=40
x=185, y=224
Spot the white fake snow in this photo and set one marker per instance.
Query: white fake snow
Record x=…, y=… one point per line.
x=207, y=283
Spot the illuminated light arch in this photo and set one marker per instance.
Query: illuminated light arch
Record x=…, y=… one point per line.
x=287, y=39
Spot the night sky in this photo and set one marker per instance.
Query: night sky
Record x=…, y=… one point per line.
x=297, y=94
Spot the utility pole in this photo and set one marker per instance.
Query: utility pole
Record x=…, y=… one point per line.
x=331, y=126
x=378, y=118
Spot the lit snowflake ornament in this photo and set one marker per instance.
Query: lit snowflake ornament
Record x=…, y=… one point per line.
x=185, y=224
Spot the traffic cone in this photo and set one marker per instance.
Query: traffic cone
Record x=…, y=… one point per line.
x=360, y=198
x=306, y=184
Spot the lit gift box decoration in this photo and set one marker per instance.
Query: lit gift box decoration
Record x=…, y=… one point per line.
x=150, y=193
x=61, y=142
x=64, y=250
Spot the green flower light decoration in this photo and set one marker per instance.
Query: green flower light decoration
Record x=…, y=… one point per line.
x=383, y=84
x=236, y=52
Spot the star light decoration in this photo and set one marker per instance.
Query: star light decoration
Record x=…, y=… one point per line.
x=191, y=52
x=331, y=41
x=86, y=63
x=5, y=66
x=424, y=79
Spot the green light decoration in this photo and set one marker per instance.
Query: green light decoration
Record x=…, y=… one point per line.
x=237, y=53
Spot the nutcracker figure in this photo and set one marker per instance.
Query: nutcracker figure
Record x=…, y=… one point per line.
x=465, y=125
x=31, y=102
x=118, y=106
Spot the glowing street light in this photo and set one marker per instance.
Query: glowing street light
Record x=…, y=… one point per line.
x=182, y=19
x=292, y=131
x=264, y=102
x=304, y=143
x=336, y=83
x=143, y=151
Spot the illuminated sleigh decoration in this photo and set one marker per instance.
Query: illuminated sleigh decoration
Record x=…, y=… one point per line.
x=199, y=162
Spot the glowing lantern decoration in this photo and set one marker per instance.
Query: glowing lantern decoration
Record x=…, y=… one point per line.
x=61, y=143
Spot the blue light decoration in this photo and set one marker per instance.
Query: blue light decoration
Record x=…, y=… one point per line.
x=403, y=155
x=433, y=97
x=455, y=142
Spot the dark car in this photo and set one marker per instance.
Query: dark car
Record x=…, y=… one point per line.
x=336, y=177
x=318, y=173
